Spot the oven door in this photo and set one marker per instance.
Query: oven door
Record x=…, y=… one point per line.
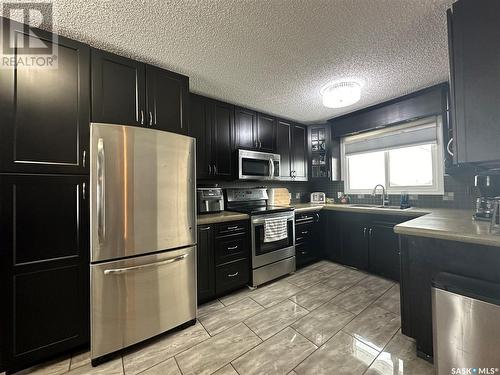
x=264, y=253
x=253, y=165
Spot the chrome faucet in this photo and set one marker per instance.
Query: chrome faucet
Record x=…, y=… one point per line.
x=385, y=200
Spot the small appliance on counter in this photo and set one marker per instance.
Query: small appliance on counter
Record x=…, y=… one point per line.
x=489, y=188
x=210, y=200
x=318, y=197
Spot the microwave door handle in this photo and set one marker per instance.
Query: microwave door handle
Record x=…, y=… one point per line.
x=271, y=168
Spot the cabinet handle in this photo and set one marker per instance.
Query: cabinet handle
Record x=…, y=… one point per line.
x=448, y=146
x=232, y=228
x=215, y=169
x=205, y=228
x=84, y=190
x=210, y=169
x=84, y=158
x=304, y=232
x=370, y=232
x=142, y=117
x=364, y=232
x=232, y=247
x=150, y=118
x=233, y=274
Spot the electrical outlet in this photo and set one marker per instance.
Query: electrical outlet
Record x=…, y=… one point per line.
x=297, y=195
x=339, y=194
x=361, y=196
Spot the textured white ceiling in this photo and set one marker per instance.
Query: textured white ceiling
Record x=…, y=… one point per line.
x=274, y=55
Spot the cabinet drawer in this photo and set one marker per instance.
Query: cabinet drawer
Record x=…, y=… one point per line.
x=231, y=276
x=304, y=253
x=230, y=248
x=234, y=227
x=303, y=233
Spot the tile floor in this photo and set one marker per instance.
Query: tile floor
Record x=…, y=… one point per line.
x=324, y=319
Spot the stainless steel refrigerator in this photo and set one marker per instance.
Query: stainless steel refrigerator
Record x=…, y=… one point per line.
x=143, y=235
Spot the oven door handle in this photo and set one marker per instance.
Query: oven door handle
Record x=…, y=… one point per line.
x=262, y=220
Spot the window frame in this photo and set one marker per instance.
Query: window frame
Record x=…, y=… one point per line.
x=437, y=152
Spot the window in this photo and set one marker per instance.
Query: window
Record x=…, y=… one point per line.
x=406, y=158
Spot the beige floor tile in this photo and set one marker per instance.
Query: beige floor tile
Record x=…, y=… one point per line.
x=209, y=307
x=168, y=367
x=374, y=326
x=163, y=348
x=276, y=356
x=272, y=320
x=390, y=300
x=112, y=367
x=344, y=279
x=226, y=370
x=237, y=296
x=376, y=284
x=216, y=352
x=80, y=359
x=229, y=316
x=330, y=268
x=400, y=357
x=306, y=279
x=274, y=293
x=355, y=299
x=314, y=296
x=324, y=322
x=341, y=355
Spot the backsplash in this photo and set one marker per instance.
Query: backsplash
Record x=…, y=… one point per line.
x=461, y=186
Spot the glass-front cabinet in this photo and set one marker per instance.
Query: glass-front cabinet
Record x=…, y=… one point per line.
x=323, y=153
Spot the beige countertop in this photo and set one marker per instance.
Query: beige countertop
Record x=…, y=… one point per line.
x=221, y=217
x=440, y=223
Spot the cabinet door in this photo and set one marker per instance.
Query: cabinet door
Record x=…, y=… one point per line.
x=44, y=266
x=246, y=128
x=475, y=79
x=118, y=89
x=167, y=97
x=384, y=250
x=201, y=129
x=222, y=145
x=266, y=133
x=205, y=263
x=284, y=148
x=331, y=239
x=299, y=153
x=354, y=241
x=44, y=112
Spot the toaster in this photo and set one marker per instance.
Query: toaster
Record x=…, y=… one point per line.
x=318, y=198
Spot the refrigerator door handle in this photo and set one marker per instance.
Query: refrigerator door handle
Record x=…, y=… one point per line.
x=137, y=268
x=101, y=192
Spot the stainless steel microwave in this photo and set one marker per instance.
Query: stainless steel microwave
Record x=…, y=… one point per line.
x=254, y=165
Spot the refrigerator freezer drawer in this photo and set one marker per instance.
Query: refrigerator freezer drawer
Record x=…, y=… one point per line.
x=142, y=188
x=138, y=298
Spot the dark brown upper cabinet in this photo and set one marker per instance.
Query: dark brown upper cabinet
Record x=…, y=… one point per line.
x=473, y=32
x=255, y=131
x=284, y=148
x=212, y=124
x=167, y=99
x=129, y=92
x=246, y=128
x=299, y=153
x=266, y=133
x=44, y=112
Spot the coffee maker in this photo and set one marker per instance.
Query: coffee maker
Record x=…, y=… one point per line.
x=488, y=186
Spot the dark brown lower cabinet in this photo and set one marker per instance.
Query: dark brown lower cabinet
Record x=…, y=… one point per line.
x=223, y=258
x=307, y=237
x=44, y=254
x=421, y=260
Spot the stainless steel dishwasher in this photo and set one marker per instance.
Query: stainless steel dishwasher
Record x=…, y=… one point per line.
x=466, y=325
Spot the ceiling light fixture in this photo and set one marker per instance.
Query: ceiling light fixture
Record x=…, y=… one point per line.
x=341, y=94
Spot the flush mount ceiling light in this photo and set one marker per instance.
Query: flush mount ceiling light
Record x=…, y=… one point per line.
x=341, y=94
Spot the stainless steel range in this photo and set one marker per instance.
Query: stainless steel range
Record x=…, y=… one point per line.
x=272, y=233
